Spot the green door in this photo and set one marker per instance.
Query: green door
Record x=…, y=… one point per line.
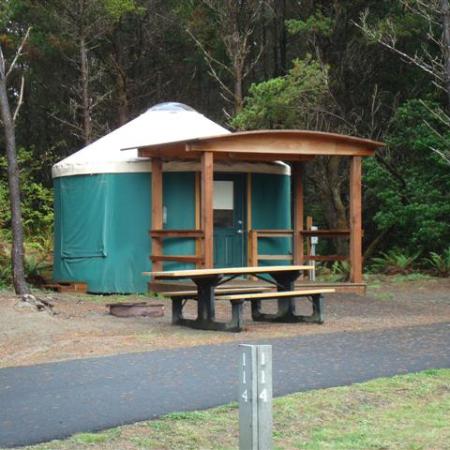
x=229, y=220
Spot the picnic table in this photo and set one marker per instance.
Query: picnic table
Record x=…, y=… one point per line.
x=209, y=284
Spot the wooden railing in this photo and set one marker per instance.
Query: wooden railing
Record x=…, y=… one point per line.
x=255, y=235
x=255, y=257
x=308, y=234
x=158, y=258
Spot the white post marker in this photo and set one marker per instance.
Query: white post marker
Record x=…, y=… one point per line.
x=314, y=242
x=255, y=397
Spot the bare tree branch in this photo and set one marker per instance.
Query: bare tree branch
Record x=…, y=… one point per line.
x=2, y=64
x=390, y=43
x=445, y=157
x=20, y=99
x=210, y=60
x=69, y=124
x=208, y=55
x=236, y=21
x=18, y=53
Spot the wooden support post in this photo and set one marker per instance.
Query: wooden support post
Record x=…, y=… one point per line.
x=309, y=223
x=157, y=211
x=297, y=204
x=253, y=253
x=207, y=186
x=198, y=242
x=249, y=219
x=355, y=220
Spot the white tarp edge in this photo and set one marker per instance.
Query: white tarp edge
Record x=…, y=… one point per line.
x=144, y=165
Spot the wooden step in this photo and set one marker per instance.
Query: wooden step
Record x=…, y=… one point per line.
x=67, y=286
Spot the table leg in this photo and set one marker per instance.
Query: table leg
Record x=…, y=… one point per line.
x=205, y=288
x=206, y=309
x=177, y=310
x=206, y=313
x=237, y=318
x=286, y=307
x=286, y=282
x=318, y=312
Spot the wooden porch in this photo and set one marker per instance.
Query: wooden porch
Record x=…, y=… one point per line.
x=292, y=146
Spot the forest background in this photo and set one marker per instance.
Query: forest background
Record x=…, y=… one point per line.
x=378, y=69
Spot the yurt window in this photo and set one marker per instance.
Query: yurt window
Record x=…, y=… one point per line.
x=223, y=203
x=84, y=202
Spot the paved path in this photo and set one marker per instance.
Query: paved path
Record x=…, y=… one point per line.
x=50, y=401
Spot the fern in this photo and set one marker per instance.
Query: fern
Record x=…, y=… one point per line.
x=394, y=262
x=440, y=264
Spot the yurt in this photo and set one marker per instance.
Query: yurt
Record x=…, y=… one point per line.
x=103, y=203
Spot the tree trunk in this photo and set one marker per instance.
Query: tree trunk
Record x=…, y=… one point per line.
x=445, y=9
x=370, y=250
x=122, y=98
x=238, y=96
x=328, y=181
x=17, y=251
x=282, y=40
x=85, y=101
x=117, y=58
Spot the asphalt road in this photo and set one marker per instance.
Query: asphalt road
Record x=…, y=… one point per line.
x=50, y=401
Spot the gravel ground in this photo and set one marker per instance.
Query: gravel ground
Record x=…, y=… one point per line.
x=81, y=326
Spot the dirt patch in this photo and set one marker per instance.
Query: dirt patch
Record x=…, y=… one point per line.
x=82, y=327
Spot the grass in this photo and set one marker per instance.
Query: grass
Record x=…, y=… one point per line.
x=383, y=296
x=403, y=412
x=416, y=276
x=376, y=281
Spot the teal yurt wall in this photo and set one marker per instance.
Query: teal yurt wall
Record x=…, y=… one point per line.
x=271, y=210
x=103, y=201
x=102, y=223
x=101, y=236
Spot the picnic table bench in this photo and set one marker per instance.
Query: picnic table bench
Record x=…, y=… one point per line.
x=209, y=290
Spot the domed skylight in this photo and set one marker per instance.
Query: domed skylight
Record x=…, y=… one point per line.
x=171, y=107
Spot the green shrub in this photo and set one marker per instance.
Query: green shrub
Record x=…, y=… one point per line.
x=38, y=260
x=440, y=264
x=394, y=262
x=286, y=102
x=36, y=198
x=341, y=270
x=407, y=183
x=5, y=265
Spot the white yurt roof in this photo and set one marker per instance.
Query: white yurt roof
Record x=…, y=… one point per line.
x=163, y=123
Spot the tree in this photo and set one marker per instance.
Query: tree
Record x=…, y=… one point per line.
x=429, y=19
x=291, y=101
x=234, y=23
x=84, y=23
x=409, y=184
x=301, y=99
x=433, y=55
x=8, y=120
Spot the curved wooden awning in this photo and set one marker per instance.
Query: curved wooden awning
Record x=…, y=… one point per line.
x=264, y=145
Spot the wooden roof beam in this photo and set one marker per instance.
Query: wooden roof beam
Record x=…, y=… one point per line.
x=172, y=155
x=265, y=145
x=280, y=148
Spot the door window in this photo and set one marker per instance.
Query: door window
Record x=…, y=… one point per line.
x=223, y=204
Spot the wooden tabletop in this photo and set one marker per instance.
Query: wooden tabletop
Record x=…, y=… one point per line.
x=225, y=271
